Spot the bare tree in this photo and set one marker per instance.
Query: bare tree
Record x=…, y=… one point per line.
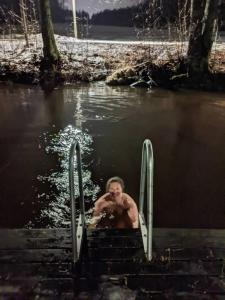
x=50, y=65
x=51, y=53
x=202, y=32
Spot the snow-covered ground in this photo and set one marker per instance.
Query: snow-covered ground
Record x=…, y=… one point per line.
x=92, y=59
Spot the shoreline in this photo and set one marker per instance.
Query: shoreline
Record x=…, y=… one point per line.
x=93, y=60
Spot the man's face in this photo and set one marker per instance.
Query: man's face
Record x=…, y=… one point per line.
x=115, y=189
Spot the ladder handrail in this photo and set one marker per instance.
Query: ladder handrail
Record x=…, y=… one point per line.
x=147, y=166
x=76, y=238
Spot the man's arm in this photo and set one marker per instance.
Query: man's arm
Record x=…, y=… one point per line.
x=132, y=211
x=98, y=208
x=100, y=204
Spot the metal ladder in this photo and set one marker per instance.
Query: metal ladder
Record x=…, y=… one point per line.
x=147, y=166
x=78, y=230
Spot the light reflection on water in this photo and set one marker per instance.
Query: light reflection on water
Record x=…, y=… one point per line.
x=58, y=211
x=103, y=105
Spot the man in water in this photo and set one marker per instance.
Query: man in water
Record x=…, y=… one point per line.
x=116, y=209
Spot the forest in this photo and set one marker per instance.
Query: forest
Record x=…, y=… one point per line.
x=162, y=13
x=151, y=13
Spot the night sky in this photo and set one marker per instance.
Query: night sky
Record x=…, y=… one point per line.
x=93, y=6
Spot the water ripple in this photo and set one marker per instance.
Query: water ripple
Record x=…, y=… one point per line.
x=56, y=212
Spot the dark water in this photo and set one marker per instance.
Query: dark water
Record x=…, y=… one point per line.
x=187, y=130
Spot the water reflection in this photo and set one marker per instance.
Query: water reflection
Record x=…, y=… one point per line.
x=57, y=211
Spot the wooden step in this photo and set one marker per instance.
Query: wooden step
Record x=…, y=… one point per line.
x=35, y=239
x=98, y=268
x=192, y=253
x=177, y=283
x=115, y=253
x=116, y=292
x=9, y=270
x=102, y=233
x=172, y=283
x=187, y=254
x=187, y=264
x=146, y=295
x=29, y=286
x=125, y=241
x=35, y=255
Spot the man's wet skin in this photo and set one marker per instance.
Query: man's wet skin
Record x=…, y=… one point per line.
x=115, y=216
x=116, y=209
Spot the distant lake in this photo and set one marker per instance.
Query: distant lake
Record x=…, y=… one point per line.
x=123, y=33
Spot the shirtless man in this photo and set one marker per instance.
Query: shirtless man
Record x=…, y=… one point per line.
x=115, y=209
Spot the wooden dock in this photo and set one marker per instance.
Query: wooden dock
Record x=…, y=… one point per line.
x=36, y=263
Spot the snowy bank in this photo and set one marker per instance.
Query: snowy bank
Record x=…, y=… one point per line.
x=90, y=60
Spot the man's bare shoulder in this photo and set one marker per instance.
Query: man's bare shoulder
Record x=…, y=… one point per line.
x=128, y=196
x=128, y=200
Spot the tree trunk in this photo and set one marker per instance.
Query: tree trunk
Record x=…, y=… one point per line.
x=50, y=65
x=50, y=50
x=203, y=21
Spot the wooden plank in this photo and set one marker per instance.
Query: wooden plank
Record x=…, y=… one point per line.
x=189, y=237
x=201, y=253
x=147, y=295
x=176, y=267
x=35, y=255
x=101, y=233
x=30, y=269
x=37, y=233
x=61, y=238
x=64, y=255
x=176, y=283
x=158, y=254
x=171, y=236
x=11, y=294
x=157, y=243
x=157, y=232
x=120, y=242
x=38, y=285
x=119, y=253
x=190, y=232
x=65, y=243
x=157, y=283
x=175, y=243
x=31, y=239
x=11, y=242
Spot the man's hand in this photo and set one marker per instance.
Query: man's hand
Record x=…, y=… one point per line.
x=101, y=204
